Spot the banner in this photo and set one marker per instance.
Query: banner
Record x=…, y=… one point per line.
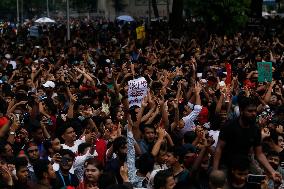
x=264, y=71
x=137, y=90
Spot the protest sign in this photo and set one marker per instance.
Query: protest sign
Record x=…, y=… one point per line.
x=137, y=90
x=264, y=71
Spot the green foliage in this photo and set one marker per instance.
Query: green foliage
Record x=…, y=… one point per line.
x=8, y=4
x=226, y=16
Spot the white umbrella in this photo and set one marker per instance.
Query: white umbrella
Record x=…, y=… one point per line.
x=45, y=20
x=125, y=18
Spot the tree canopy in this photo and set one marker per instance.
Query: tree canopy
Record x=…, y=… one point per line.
x=225, y=16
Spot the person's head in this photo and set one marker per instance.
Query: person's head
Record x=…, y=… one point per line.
x=217, y=179
x=55, y=145
x=6, y=150
x=134, y=110
x=189, y=155
x=273, y=159
x=120, y=147
x=173, y=157
x=145, y=163
x=273, y=100
x=43, y=170
x=32, y=151
x=149, y=133
x=248, y=108
x=239, y=169
x=106, y=180
x=22, y=172
x=164, y=179
x=93, y=170
x=83, y=148
x=68, y=134
x=67, y=160
x=108, y=123
x=277, y=138
x=36, y=131
x=189, y=137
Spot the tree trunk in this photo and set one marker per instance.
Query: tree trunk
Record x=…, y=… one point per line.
x=176, y=19
x=256, y=8
x=155, y=8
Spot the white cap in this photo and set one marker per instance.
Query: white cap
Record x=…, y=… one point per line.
x=49, y=84
x=108, y=60
x=7, y=56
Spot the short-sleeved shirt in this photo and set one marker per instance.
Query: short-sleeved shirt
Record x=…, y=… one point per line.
x=239, y=141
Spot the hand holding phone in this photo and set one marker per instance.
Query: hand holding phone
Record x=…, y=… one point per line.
x=255, y=179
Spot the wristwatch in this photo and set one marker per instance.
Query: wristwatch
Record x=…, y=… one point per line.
x=12, y=133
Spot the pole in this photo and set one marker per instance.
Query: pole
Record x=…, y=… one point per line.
x=149, y=10
x=68, y=20
x=18, y=12
x=47, y=8
x=22, y=11
x=168, y=10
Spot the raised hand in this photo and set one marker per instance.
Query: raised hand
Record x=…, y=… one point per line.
x=197, y=88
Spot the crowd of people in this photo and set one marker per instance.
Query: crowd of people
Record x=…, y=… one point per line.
x=66, y=122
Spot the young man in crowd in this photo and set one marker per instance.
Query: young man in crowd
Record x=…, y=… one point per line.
x=239, y=136
x=63, y=176
x=45, y=174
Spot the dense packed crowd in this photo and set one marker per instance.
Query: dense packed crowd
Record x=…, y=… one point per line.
x=66, y=121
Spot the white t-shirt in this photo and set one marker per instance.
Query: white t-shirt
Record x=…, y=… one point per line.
x=74, y=148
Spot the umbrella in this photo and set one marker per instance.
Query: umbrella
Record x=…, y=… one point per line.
x=45, y=20
x=125, y=18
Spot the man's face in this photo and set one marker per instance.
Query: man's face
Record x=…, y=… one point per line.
x=149, y=134
x=33, y=153
x=69, y=135
x=66, y=162
x=38, y=135
x=274, y=161
x=55, y=144
x=170, y=159
x=249, y=114
x=239, y=177
x=273, y=100
x=9, y=150
x=51, y=172
x=22, y=174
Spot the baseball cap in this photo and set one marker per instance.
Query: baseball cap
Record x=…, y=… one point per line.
x=49, y=84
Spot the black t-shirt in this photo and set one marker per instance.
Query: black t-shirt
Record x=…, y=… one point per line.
x=239, y=141
x=70, y=180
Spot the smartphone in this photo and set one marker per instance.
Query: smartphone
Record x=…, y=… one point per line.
x=255, y=179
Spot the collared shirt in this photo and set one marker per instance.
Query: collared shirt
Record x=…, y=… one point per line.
x=189, y=119
x=73, y=148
